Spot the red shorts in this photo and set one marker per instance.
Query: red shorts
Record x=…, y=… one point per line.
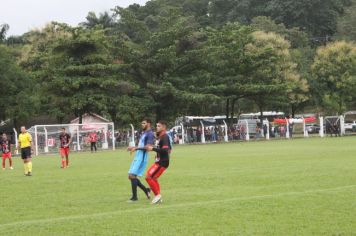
x=64, y=151
x=6, y=155
x=155, y=171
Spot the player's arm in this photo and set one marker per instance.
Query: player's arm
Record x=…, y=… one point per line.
x=30, y=140
x=150, y=139
x=18, y=142
x=163, y=149
x=131, y=149
x=69, y=141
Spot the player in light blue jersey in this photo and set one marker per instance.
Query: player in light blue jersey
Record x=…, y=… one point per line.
x=140, y=160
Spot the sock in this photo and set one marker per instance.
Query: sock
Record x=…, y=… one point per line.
x=143, y=187
x=63, y=163
x=67, y=161
x=134, y=188
x=29, y=166
x=25, y=167
x=153, y=185
x=10, y=162
x=3, y=163
x=158, y=188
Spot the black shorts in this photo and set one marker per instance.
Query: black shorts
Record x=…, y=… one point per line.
x=26, y=152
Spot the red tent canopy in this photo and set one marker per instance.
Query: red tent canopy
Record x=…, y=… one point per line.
x=311, y=119
x=280, y=121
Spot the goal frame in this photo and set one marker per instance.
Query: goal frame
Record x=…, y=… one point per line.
x=77, y=130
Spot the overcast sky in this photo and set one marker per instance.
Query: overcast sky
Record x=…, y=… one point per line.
x=24, y=15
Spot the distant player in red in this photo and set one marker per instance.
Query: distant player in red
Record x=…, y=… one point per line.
x=93, y=138
x=163, y=150
x=6, y=151
x=65, y=140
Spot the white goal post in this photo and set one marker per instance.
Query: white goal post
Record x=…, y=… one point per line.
x=46, y=137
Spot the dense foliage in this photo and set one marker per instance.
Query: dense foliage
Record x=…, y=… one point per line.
x=184, y=57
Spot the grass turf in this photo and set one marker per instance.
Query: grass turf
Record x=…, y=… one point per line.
x=290, y=187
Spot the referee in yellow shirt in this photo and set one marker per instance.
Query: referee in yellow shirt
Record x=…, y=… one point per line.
x=25, y=143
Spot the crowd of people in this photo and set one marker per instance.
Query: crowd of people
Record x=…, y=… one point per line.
x=211, y=134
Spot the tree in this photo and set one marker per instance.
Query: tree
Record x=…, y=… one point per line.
x=346, y=29
x=3, y=30
x=163, y=58
x=296, y=37
x=302, y=55
x=77, y=70
x=318, y=18
x=105, y=20
x=271, y=73
x=224, y=64
x=334, y=74
x=17, y=102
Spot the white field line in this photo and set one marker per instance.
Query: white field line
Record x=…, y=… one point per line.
x=163, y=207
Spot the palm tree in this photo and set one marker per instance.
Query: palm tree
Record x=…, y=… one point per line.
x=105, y=19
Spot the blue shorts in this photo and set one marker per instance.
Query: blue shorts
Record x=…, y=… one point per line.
x=139, y=163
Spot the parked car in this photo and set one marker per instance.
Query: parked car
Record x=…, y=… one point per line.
x=312, y=128
x=350, y=126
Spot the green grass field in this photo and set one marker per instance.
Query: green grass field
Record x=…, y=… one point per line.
x=290, y=187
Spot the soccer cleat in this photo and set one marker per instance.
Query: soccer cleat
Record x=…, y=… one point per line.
x=148, y=193
x=132, y=200
x=157, y=199
x=29, y=174
x=11, y=168
x=3, y=168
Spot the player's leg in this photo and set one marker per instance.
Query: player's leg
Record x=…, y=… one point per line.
x=3, y=162
x=67, y=157
x=146, y=190
x=95, y=146
x=10, y=162
x=29, y=162
x=152, y=179
x=137, y=168
x=67, y=160
x=133, y=172
x=134, y=184
x=29, y=165
x=140, y=172
x=151, y=182
x=23, y=156
x=9, y=157
x=61, y=152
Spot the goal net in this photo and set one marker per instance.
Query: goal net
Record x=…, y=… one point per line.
x=46, y=137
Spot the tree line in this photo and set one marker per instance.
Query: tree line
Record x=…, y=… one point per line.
x=184, y=57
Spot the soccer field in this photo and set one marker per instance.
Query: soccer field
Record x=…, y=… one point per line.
x=287, y=187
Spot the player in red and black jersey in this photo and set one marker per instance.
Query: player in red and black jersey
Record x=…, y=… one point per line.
x=65, y=140
x=163, y=150
x=93, y=138
x=6, y=151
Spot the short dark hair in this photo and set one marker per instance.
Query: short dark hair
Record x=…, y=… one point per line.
x=162, y=122
x=63, y=128
x=147, y=120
